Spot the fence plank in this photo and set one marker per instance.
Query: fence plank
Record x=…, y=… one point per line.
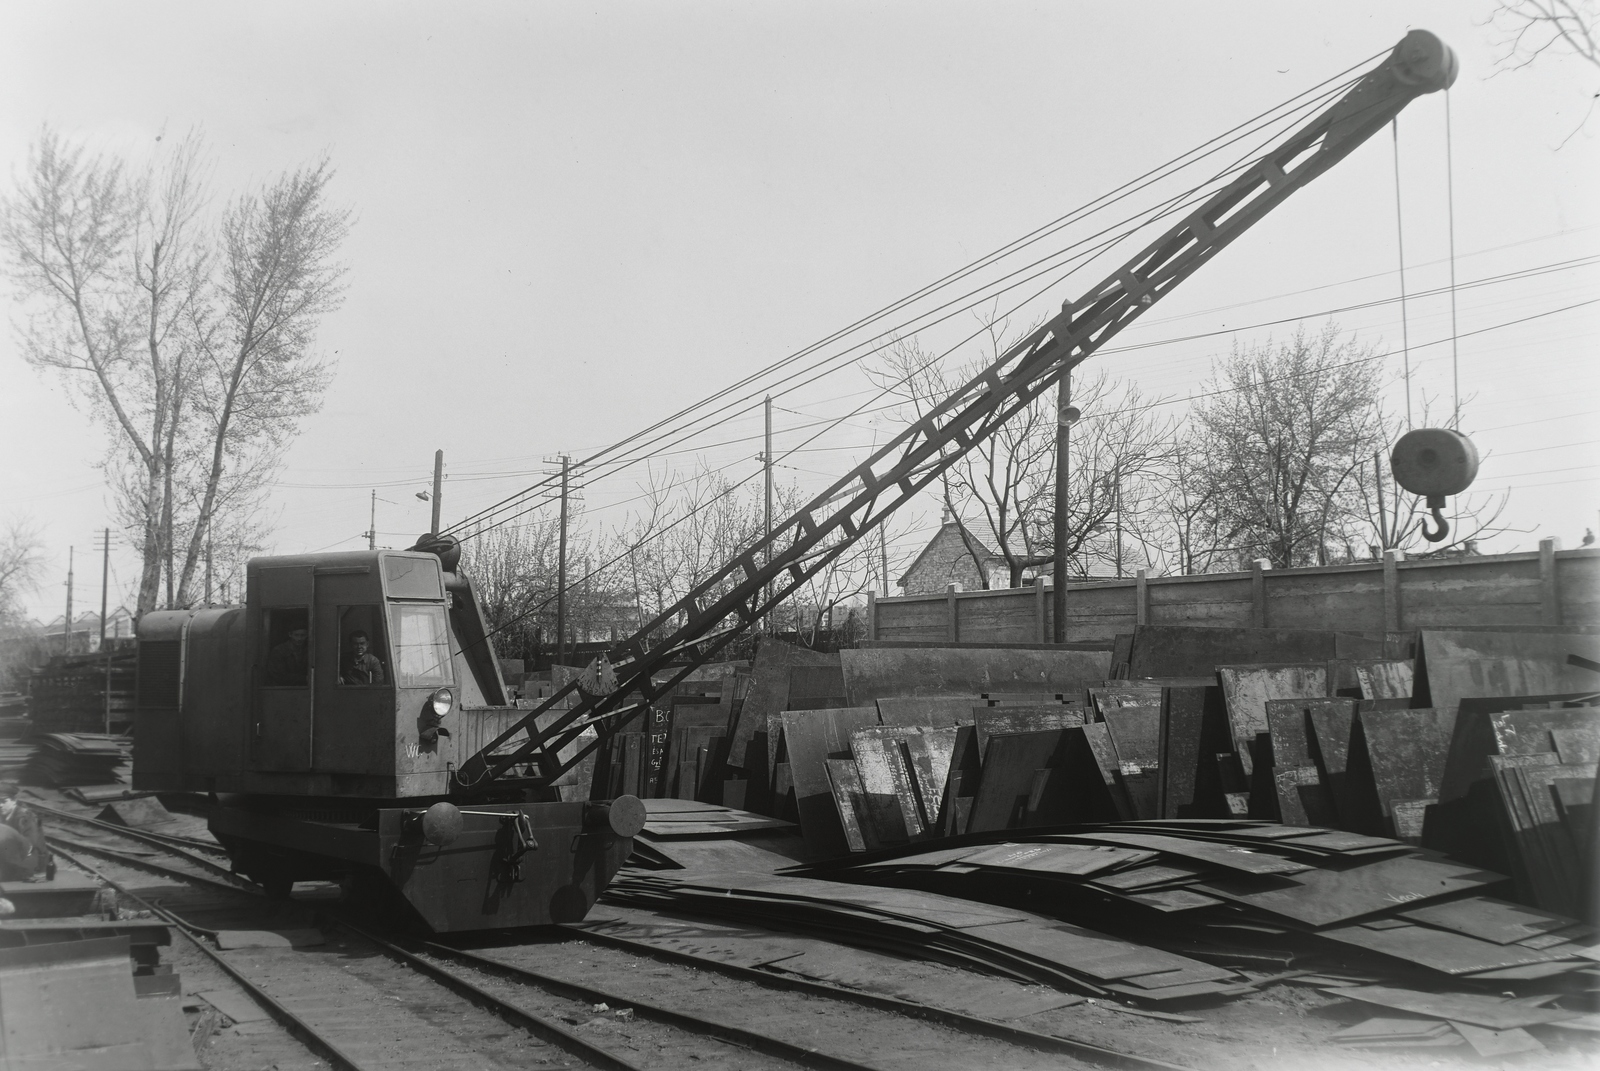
x=1258, y=592
x=1550, y=586
x=1391, y=589
x=1549, y=594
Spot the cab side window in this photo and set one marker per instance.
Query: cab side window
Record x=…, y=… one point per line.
x=286, y=654
x=363, y=654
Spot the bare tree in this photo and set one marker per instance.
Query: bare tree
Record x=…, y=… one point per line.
x=1530, y=28
x=693, y=524
x=1001, y=479
x=1120, y=456
x=190, y=343
x=20, y=562
x=846, y=576
x=278, y=279
x=514, y=569
x=1282, y=439
x=1182, y=533
x=1003, y=489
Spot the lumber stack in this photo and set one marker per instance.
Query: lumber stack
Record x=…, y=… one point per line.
x=81, y=693
x=64, y=759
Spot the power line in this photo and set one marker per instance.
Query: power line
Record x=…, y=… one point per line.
x=1162, y=212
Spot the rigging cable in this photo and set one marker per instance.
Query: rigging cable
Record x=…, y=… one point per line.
x=1400, y=237
x=1150, y=177
x=1450, y=210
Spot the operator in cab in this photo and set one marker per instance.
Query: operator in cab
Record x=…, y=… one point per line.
x=287, y=665
x=361, y=666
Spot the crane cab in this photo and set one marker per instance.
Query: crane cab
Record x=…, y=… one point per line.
x=342, y=675
x=325, y=718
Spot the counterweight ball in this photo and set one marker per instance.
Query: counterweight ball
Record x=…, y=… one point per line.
x=441, y=824
x=623, y=816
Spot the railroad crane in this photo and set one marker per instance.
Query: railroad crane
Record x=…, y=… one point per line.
x=351, y=722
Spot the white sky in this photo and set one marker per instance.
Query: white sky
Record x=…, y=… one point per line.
x=572, y=221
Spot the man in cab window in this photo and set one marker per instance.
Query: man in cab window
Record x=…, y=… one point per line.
x=361, y=665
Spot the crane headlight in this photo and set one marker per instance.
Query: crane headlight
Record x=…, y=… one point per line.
x=441, y=701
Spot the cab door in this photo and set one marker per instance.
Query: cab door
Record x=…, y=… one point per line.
x=355, y=717
x=285, y=669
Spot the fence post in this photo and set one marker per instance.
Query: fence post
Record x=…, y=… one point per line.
x=1391, y=589
x=1041, y=626
x=1258, y=592
x=872, y=615
x=952, y=629
x=1141, y=598
x=1549, y=593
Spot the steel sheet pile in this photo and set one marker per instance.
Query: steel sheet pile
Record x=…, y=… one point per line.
x=1012, y=943
x=83, y=985
x=1404, y=820
x=1339, y=906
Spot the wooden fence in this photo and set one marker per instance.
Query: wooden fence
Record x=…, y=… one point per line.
x=1545, y=587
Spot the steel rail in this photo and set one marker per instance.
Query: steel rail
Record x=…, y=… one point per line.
x=540, y=1027
x=534, y=1024
x=307, y=1034
x=235, y=883
x=733, y=1034
x=1020, y=1036
x=564, y=1038
x=302, y=1031
x=162, y=840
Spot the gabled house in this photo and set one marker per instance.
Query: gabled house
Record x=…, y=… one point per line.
x=946, y=560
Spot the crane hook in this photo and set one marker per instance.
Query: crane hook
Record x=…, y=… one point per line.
x=1435, y=507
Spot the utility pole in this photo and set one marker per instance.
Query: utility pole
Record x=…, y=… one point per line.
x=208, y=567
x=1116, y=502
x=1066, y=415
x=105, y=582
x=1383, y=518
x=105, y=586
x=438, y=482
x=67, y=628
x=561, y=570
x=372, y=520
x=766, y=466
x=883, y=549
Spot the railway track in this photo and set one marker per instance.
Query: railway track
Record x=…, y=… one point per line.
x=369, y=1001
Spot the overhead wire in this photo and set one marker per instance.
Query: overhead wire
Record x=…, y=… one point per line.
x=1516, y=275
x=1450, y=216
x=1400, y=240
x=1012, y=280
x=1249, y=157
x=1216, y=144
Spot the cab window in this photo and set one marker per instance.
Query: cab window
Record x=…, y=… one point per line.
x=412, y=578
x=421, y=646
x=363, y=655
x=286, y=647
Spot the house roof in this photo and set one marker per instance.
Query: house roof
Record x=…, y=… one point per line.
x=988, y=555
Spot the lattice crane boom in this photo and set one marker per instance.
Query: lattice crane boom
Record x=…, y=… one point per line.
x=738, y=594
